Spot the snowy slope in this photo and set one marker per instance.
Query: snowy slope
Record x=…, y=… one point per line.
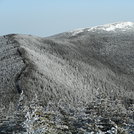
x=83, y=75
x=123, y=26
x=114, y=27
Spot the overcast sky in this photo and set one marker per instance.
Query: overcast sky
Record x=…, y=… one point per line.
x=48, y=17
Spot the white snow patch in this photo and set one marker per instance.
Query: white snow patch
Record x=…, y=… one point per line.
x=112, y=27
x=123, y=26
x=77, y=31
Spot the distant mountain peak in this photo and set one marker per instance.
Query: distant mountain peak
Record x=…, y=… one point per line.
x=123, y=26
x=112, y=27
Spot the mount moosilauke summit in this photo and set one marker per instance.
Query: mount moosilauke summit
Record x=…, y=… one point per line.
x=77, y=82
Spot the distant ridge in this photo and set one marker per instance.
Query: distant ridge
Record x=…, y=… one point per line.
x=124, y=26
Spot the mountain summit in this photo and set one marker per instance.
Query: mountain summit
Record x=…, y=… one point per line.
x=71, y=83
x=114, y=27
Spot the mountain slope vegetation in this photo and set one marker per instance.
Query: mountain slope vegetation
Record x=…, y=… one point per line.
x=85, y=76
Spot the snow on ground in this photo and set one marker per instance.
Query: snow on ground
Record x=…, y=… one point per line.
x=77, y=31
x=124, y=26
x=112, y=27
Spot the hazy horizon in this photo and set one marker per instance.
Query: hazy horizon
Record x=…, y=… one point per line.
x=45, y=18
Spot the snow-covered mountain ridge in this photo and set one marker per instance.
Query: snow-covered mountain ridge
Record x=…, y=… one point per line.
x=114, y=27
x=67, y=84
